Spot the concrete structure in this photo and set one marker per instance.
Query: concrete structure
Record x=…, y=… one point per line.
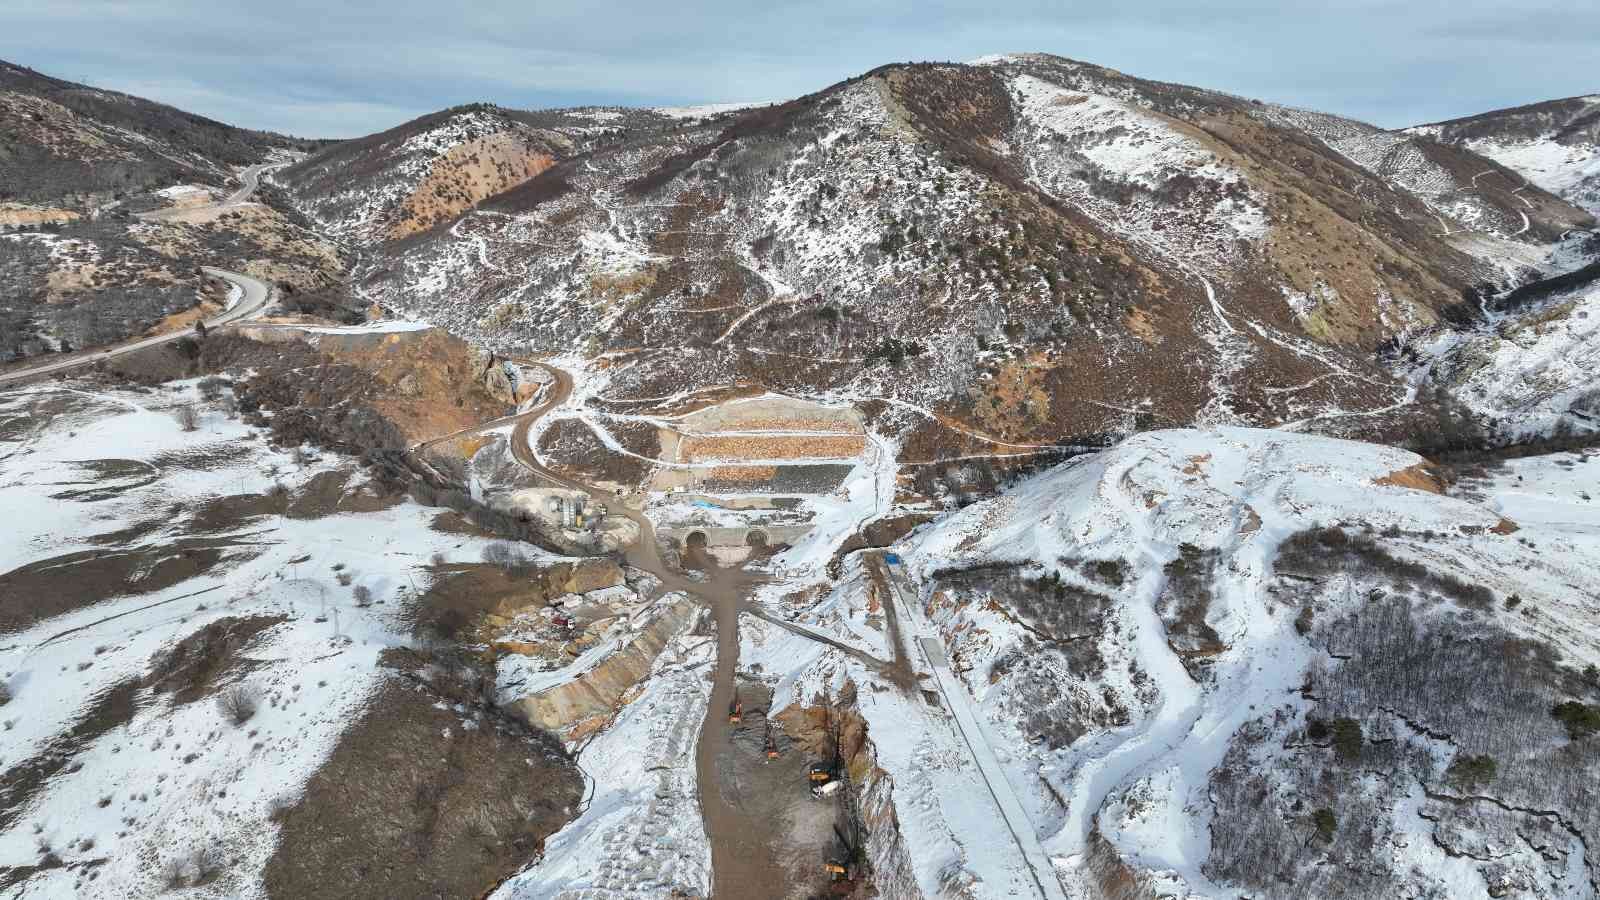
x=743, y=536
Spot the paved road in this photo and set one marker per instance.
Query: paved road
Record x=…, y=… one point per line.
x=253, y=299
x=250, y=179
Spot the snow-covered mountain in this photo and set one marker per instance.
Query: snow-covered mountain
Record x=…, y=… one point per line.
x=1237, y=663
x=824, y=340
x=1554, y=145
x=1050, y=248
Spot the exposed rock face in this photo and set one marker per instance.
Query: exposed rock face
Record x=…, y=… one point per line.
x=590, y=575
x=584, y=703
x=498, y=377
x=577, y=577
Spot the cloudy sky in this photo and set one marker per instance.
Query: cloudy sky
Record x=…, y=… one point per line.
x=336, y=68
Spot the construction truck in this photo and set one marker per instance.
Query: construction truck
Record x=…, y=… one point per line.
x=735, y=710
x=825, y=790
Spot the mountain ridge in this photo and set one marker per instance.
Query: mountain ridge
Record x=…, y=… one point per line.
x=1059, y=200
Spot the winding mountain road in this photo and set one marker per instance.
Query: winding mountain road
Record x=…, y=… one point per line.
x=253, y=298
x=249, y=181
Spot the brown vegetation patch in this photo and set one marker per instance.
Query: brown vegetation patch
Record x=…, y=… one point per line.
x=415, y=802
x=1139, y=322
x=465, y=596
x=50, y=587
x=193, y=666
x=452, y=522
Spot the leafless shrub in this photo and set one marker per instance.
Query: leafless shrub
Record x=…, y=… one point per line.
x=507, y=556
x=238, y=703
x=211, y=387
x=1321, y=552
x=187, y=416
x=363, y=595
x=5, y=694
x=196, y=867
x=497, y=554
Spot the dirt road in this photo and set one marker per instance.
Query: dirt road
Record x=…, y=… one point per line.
x=760, y=818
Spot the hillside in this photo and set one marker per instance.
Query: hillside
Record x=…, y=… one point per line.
x=966, y=481
x=109, y=204
x=1555, y=144
x=70, y=145
x=1049, y=249
x=1224, y=663
x=432, y=169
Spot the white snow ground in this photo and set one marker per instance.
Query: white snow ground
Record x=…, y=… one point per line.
x=639, y=834
x=1239, y=492
x=180, y=778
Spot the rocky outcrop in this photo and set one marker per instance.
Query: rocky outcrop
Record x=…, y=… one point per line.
x=578, y=706
x=491, y=372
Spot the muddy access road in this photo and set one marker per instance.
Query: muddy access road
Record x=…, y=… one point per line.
x=752, y=810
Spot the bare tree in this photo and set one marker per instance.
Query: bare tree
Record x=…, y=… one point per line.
x=238, y=703
x=507, y=556
x=363, y=596
x=187, y=416
x=498, y=554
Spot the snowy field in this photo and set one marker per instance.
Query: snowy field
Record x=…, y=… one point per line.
x=158, y=790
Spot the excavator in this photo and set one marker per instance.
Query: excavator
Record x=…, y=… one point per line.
x=841, y=861
x=735, y=709
x=824, y=776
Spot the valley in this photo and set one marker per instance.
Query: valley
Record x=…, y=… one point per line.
x=1006, y=479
